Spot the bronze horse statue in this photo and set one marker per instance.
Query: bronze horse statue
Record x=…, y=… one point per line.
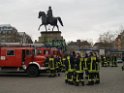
x=46, y=21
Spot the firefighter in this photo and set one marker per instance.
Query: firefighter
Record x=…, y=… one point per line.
x=65, y=65
x=52, y=66
x=58, y=65
x=114, y=61
x=63, y=60
x=105, y=61
x=85, y=66
x=97, y=68
x=123, y=63
x=108, y=61
x=79, y=70
x=102, y=60
x=91, y=68
x=69, y=66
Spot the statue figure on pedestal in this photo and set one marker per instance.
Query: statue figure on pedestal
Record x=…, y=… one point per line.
x=49, y=19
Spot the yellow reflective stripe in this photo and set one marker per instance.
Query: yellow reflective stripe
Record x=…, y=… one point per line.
x=63, y=59
x=81, y=59
x=51, y=59
x=79, y=71
x=69, y=62
x=77, y=80
x=92, y=58
x=52, y=68
x=91, y=65
x=93, y=70
x=85, y=59
x=70, y=70
x=68, y=57
x=66, y=75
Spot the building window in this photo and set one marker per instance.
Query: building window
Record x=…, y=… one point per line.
x=10, y=52
x=2, y=40
x=4, y=32
x=9, y=32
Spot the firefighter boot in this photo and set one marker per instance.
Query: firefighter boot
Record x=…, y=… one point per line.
x=92, y=82
x=66, y=81
x=89, y=83
x=97, y=82
x=82, y=83
x=76, y=83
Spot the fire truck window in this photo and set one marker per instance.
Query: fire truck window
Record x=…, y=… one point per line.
x=10, y=52
x=28, y=52
x=39, y=52
x=46, y=52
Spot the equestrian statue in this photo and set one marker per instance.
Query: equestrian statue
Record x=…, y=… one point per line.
x=49, y=19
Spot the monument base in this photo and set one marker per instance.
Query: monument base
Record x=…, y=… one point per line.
x=47, y=36
x=52, y=39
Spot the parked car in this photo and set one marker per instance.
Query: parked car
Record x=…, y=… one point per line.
x=119, y=60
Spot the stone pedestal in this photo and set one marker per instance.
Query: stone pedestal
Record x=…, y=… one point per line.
x=50, y=36
x=52, y=39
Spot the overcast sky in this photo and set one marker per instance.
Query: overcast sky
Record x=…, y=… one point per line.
x=82, y=19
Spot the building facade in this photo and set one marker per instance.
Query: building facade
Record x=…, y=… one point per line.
x=24, y=38
x=118, y=42
x=9, y=34
x=78, y=45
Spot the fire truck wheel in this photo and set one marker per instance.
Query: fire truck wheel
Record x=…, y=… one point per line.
x=33, y=71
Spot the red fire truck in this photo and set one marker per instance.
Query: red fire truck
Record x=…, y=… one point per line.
x=21, y=58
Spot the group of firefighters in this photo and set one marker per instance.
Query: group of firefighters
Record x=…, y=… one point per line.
x=78, y=69
x=107, y=61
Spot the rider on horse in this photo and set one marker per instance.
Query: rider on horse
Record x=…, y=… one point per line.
x=49, y=14
x=48, y=19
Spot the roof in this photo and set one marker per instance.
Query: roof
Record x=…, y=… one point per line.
x=5, y=25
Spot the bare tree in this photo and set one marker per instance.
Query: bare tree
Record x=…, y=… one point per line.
x=106, y=39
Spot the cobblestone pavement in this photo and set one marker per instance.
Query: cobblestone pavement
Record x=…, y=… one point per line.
x=112, y=81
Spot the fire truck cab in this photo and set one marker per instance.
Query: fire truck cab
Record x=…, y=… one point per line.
x=21, y=59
